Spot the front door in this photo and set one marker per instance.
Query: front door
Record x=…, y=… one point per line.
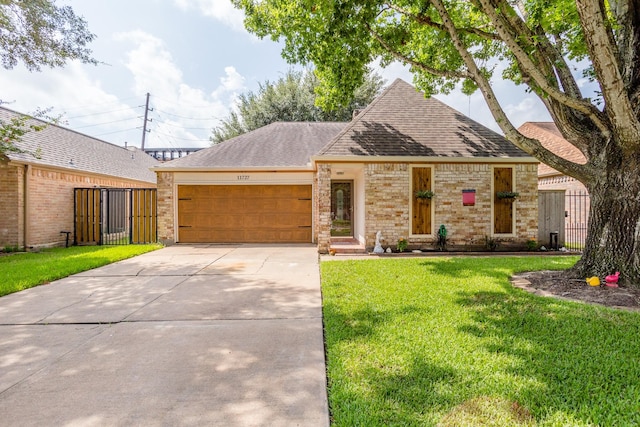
x=342, y=208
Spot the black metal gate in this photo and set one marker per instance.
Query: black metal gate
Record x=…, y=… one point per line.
x=115, y=216
x=577, y=204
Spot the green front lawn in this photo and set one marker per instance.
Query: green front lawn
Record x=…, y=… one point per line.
x=448, y=341
x=24, y=270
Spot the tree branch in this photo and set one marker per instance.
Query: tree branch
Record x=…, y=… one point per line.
x=413, y=62
x=426, y=20
x=604, y=54
x=532, y=69
x=529, y=145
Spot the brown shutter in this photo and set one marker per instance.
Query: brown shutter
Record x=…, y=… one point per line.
x=421, y=208
x=502, y=208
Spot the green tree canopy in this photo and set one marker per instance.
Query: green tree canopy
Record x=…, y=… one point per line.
x=460, y=42
x=292, y=98
x=38, y=33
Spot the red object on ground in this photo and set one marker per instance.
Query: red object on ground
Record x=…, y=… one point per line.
x=612, y=280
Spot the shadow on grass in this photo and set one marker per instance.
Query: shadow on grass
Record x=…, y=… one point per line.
x=471, y=334
x=26, y=270
x=583, y=359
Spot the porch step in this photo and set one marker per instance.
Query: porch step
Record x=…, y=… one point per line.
x=346, y=246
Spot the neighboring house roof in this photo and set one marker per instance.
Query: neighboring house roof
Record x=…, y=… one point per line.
x=402, y=122
x=551, y=139
x=64, y=148
x=280, y=144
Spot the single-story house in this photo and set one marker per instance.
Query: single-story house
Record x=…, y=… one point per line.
x=551, y=138
x=37, y=191
x=317, y=182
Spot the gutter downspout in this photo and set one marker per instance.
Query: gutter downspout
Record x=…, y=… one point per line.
x=25, y=207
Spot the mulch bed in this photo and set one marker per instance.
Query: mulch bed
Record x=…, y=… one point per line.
x=556, y=284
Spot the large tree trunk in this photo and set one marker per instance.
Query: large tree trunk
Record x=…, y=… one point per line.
x=613, y=236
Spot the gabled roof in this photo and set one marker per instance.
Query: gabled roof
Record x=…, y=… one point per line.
x=551, y=139
x=402, y=122
x=64, y=148
x=278, y=145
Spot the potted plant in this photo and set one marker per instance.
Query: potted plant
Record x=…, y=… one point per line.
x=508, y=195
x=425, y=194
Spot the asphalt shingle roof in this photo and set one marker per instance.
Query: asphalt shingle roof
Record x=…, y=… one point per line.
x=551, y=139
x=402, y=122
x=58, y=147
x=280, y=144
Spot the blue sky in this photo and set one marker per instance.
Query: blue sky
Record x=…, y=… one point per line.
x=194, y=58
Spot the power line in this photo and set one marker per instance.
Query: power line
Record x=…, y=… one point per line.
x=103, y=112
x=185, y=117
x=104, y=123
x=81, y=107
x=181, y=127
x=115, y=131
x=184, y=104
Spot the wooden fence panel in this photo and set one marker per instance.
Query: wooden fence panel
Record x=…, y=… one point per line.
x=87, y=228
x=143, y=216
x=551, y=216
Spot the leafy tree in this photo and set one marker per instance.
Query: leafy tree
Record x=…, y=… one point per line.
x=292, y=99
x=37, y=32
x=451, y=42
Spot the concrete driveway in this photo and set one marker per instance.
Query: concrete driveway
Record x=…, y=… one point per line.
x=227, y=335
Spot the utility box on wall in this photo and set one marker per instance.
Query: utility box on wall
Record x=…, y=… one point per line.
x=468, y=197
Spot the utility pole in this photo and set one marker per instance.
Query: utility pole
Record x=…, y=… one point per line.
x=144, y=125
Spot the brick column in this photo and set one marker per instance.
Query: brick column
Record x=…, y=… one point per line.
x=323, y=216
x=166, y=230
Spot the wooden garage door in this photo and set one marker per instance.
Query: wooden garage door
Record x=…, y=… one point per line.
x=244, y=213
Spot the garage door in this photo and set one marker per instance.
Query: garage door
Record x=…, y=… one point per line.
x=244, y=213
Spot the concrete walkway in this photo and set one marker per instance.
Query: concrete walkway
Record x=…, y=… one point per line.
x=227, y=335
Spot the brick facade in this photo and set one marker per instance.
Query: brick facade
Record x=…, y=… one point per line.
x=322, y=211
x=388, y=197
x=49, y=202
x=166, y=208
x=561, y=182
x=11, y=205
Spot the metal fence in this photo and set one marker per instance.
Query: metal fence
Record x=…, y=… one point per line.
x=577, y=205
x=115, y=216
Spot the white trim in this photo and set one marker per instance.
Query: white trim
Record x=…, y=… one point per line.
x=244, y=178
x=422, y=159
x=514, y=210
x=274, y=169
x=432, y=204
x=81, y=172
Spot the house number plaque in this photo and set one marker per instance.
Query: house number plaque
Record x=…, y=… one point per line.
x=243, y=177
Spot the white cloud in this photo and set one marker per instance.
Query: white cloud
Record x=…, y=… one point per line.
x=231, y=83
x=220, y=10
x=183, y=115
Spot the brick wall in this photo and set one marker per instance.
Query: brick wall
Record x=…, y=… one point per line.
x=561, y=182
x=322, y=214
x=50, y=203
x=166, y=230
x=11, y=217
x=387, y=199
x=386, y=202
